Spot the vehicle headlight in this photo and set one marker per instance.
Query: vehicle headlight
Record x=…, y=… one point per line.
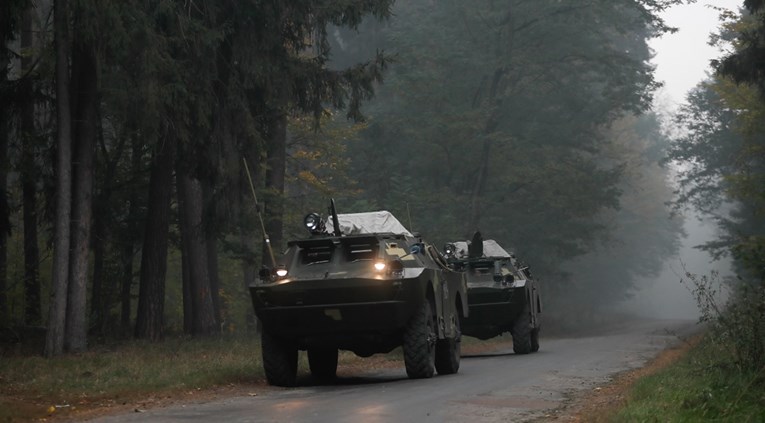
x=314, y=223
x=281, y=272
x=393, y=268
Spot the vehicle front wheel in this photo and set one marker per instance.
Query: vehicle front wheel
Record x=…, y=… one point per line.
x=448, y=351
x=420, y=343
x=323, y=363
x=521, y=333
x=279, y=360
x=535, y=340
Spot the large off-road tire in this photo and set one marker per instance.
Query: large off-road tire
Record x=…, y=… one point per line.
x=279, y=360
x=420, y=338
x=448, y=351
x=521, y=333
x=323, y=363
x=535, y=339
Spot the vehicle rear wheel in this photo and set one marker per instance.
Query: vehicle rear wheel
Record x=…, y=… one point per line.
x=535, y=340
x=323, y=363
x=279, y=360
x=448, y=351
x=521, y=333
x=420, y=343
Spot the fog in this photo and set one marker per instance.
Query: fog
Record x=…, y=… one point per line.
x=665, y=296
x=682, y=61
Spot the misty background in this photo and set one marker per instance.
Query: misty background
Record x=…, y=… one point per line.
x=635, y=253
x=542, y=124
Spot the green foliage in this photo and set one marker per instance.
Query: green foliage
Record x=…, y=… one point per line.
x=136, y=368
x=706, y=150
x=744, y=65
x=209, y=76
x=700, y=387
x=736, y=316
x=721, y=171
x=497, y=116
x=721, y=157
x=134, y=372
x=317, y=168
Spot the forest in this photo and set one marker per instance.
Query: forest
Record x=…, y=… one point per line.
x=124, y=128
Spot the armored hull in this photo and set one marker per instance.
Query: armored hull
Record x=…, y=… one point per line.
x=363, y=292
x=502, y=295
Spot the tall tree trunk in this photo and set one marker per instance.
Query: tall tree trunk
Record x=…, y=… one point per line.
x=211, y=214
x=86, y=130
x=212, y=266
x=99, y=295
x=54, y=340
x=102, y=292
x=276, y=163
x=4, y=222
x=29, y=179
x=151, y=295
x=126, y=283
x=203, y=320
x=128, y=246
x=481, y=175
x=188, y=307
x=491, y=125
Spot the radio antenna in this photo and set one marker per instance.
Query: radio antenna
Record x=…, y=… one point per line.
x=409, y=215
x=260, y=216
x=335, y=220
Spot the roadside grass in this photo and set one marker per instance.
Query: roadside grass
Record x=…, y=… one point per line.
x=131, y=371
x=136, y=366
x=705, y=385
x=125, y=371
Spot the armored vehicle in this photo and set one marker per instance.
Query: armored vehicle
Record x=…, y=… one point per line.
x=361, y=282
x=502, y=294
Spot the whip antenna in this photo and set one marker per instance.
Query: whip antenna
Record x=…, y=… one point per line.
x=260, y=217
x=411, y=229
x=335, y=221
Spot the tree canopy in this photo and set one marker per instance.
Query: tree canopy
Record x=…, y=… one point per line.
x=528, y=121
x=510, y=118
x=720, y=151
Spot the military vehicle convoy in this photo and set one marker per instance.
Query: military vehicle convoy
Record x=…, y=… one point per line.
x=502, y=295
x=360, y=282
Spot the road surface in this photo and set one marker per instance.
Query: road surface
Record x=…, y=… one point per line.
x=499, y=386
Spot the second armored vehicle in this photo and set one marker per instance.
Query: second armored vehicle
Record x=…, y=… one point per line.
x=502, y=294
x=361, y=282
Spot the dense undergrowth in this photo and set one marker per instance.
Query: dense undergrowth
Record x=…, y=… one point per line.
x=723, y=378
x=706, y=385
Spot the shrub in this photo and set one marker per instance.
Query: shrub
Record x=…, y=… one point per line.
x=735, y=312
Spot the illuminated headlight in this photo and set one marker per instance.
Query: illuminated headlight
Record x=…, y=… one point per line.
x=281, y=272
x=379, y=266
x=313, y=222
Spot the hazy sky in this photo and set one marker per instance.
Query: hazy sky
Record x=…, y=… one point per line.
x=682, y=58
x=682, y=61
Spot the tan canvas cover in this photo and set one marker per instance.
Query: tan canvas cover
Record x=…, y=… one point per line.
x=490, y=249
x=368, y=223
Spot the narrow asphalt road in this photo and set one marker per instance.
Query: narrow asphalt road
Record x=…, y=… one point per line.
x=494, y=387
